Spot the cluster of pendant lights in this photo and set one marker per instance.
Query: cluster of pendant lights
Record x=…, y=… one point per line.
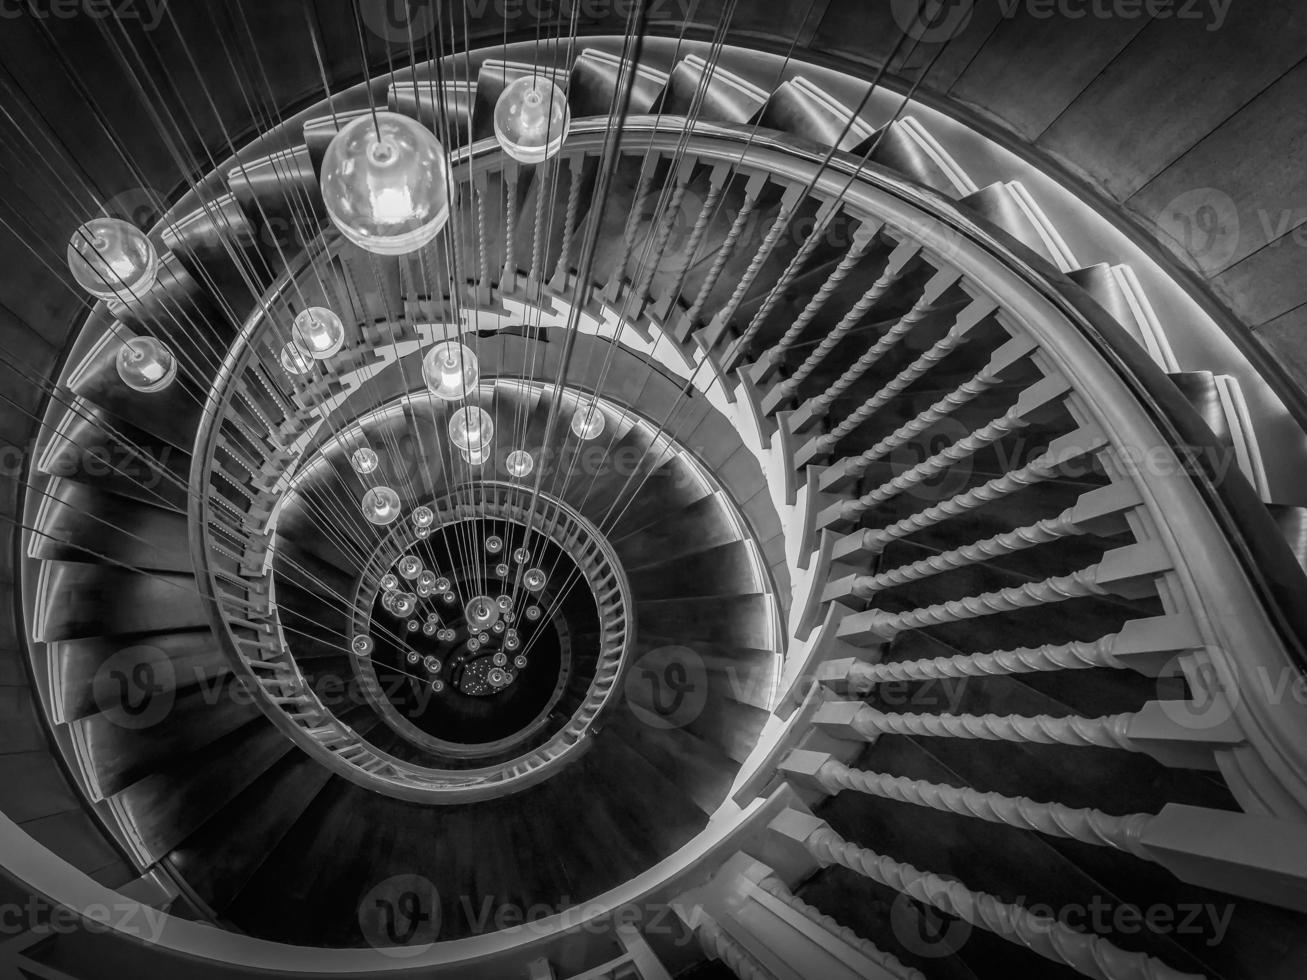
x=386, y=186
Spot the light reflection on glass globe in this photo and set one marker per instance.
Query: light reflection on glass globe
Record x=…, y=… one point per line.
x=390, y=581
x=146, y=364
x=410, y=566
x=112, y=259
x=422, y=533
x=404, y=603
x=294, y=360
x=362, y=645
x=532, y=119
x=519, y=463
x=587, y=421
x=364, y=460
x=534, y=580
x=391, y=194
x=471, y=430
x=423, y=516
x=481, y=612
x=450, y=371
x=427, y=580
x=380, y=505
x=318, y=332
x=494, y=543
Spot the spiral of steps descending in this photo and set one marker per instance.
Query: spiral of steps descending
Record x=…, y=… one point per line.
x=849, y=431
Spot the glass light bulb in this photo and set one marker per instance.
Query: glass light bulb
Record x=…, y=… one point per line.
x=534, y=580
x=471, y=430
x=362, y=645
x=519, y=463
x=294, y=360
x=412, y=625
x=437, y=685
x=450, y=371
x=380, y=505
x=431, y=663
x=112, y=259
x=504, y=602
x=512, y=643
x=521, y=555
x=442, y=584
x=473, y=645
x=587, y=421
x=494, y=544
x=405, y=603
x=519, y=662
x=429, y=628
x=501, y=570
x=146, y=364
x=423, y=516
x=318, y=332
x=412, y=657
x=385, y=183
x=499, y=659
x=427, y=580
x=532, y=119
x=390, y=581
x=364, y=460
x=497, y=677
x=410, y=566
x=481, y=612
x=533, y=613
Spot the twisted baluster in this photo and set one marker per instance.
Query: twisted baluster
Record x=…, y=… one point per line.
x=832, y=283
x=785, y=278
x=847, y=322
x=1107, y=732
x=1036, y=471
x=1059, y=588
x=660, y=237
x=569, y=221
x=1077, y=655
x=633, y=222
x=950, y=403
x=1048, y=530
x=723, y=255
x=822, y=403
x=716, y=945
x=778, y=226
x=886, y=961
x=537, y=241
x=1089, y=955
x=483, y=254
x=933, y=355
x=510, y=226
x=1055, y=819
x=969, y=445
x=696, y=237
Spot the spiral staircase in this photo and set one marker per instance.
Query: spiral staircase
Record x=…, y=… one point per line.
x=979, y=619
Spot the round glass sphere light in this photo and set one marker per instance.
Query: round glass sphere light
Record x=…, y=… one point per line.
x=146, y=364
x=471, y=430
x=294, y=360
x=385, y=183
x=450, y=371
x=519, y=463
x=532, y=119
x=364, y=460
x=587, y=422
x=318, y=332
x=112, y=259
x=380, y=505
